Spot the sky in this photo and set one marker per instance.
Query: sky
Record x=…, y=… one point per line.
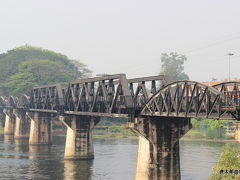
x=128, y=36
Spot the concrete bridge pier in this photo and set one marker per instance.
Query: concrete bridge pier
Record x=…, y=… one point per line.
x=40, y=128
x=158, y=150
x=79, y=144
x=22, y=124
x=9, y=122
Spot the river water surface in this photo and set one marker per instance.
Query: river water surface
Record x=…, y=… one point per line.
x=115, y=159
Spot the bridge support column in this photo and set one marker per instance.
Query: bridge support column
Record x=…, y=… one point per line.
x=9, y=122
x=22, y=124
x=40, y=128
x=79, y=144
x=158, y=151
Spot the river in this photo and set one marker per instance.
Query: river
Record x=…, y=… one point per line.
x=115, y=159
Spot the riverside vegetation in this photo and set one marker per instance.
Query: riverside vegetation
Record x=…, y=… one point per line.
x=228, y=165
x=211, y=129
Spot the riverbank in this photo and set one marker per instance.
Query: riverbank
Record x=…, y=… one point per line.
x=208, y=140
x=121, y=131
x=194, y=134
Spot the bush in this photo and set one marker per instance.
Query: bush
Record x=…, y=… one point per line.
x=217, y=132
x=195, y=123
x=229, y=160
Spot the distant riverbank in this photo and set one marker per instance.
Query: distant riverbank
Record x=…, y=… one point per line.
x=122, y=131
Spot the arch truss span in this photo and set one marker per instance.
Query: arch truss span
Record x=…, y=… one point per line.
x=231, y=90
x=189, y=99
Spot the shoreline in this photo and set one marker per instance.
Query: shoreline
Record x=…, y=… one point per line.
x=118, y=135
x=208, y=140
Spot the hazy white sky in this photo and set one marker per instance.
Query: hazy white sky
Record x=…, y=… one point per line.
x=128, y=36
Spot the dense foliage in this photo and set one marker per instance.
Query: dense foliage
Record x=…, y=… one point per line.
x=173, y=66
x=27, y=66
x=212, y=128
x=228, y=165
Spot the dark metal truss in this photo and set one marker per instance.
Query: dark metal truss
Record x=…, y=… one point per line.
x=191, y=99
x=231, y=90
x=109, y=95
x=45, y=97
x=117, y=96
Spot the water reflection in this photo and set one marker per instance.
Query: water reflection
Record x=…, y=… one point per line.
x=114, y=159
x=7, y=146
x=38, y=151
x=20, y=148
x=20, y=142
x=75, y=170
x=8, y=139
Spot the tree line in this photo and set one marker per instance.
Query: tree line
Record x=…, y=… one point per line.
x=28, y=66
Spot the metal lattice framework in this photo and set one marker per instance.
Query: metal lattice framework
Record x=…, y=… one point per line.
x=231, y=90
x=109, y=95
x=46, y=98
x=23, y=102
x=142, y=89
x=190, y=99
x=2, y=101
x=117, y=96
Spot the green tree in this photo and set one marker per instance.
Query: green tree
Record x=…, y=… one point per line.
x=27, y=66
x=173, y=66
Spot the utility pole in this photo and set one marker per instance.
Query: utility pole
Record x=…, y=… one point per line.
x=229, y=57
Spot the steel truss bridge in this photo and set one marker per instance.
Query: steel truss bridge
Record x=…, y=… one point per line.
x=157, y=111
x=117, y=96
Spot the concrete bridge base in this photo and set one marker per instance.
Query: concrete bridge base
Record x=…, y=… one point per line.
x=158, y=151
x=40, y=128
x=79, y=144
x=9, y=122
x=22, y=125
